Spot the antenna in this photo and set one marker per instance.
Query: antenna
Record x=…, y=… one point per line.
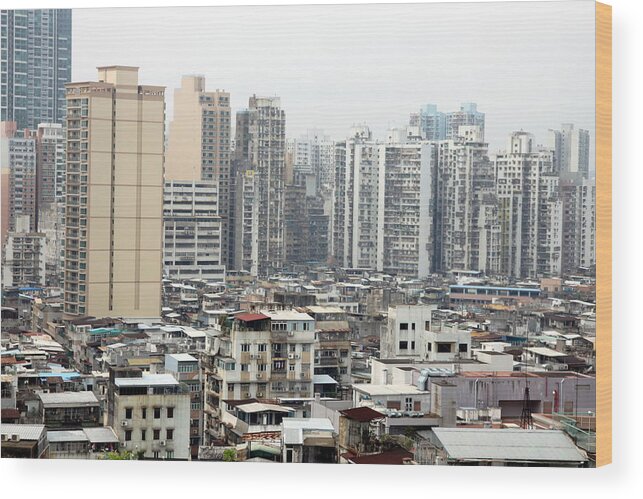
x=526, y=421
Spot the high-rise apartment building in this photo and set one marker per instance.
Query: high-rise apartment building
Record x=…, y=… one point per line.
x=23, y=196
x=199, y=145
x=359, y=185
x=467, y=115
x=50, y=166
x=192, y=246
x=114, y=196
x=579, y=222
x=530, y=209
x=260, y=150
x=432, y=123
x=35, y=65
x=464, y=204
x=24, y=256
x=407, y=222
x=436, y=125
x=571, y=150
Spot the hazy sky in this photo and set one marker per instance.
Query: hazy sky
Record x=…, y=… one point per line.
x=528, y=65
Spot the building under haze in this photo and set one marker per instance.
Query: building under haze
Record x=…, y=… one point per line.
x=571, y=150
x=199, y=144
x=260, y=149
x=530, y=209
x=35, y=65
x=114, y=198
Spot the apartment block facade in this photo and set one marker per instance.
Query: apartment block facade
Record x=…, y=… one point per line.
x=260, y=150
x=530, y=209
x=193, y=240
x=199, y=146
x=35, y=65
x=114, y=196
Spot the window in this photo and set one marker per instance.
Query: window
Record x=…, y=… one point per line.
x=144, y=412
x=244, y=368
x=408, y=404
x=462, y=348
x=404, y=345
x=444, y=347
x=128, y=413
x=157, y=413
x=262, y=347
x=156, y=454
x=245, y=347
x=413, y=326
x=413, y=345
x=157, y=434
x=230, y=387
x=404, y=326
x=143, y=435
x=428, y=347
x=427, y=325
x=291, y=367
x=169, y=434
x=169, y=454
x=128, y=435
x=195, y=406
x=170, y=412
x=261, y=367
x=305, y=347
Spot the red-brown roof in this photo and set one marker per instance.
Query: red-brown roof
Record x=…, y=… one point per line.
x=362, y=414
x=395, y=456
x=247, y=317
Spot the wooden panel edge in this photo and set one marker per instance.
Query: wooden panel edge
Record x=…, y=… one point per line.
x=603, y=234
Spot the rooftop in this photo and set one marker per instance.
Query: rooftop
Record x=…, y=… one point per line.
x=362, y=414
x=508, y=444
x=68, y=398
x=147, y=380
x=24, y=431
x=380, y=390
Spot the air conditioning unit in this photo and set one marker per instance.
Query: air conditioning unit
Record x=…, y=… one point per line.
x=247, y=394
x=291, y=356
x=15, y=438
x=124, y=423
x=297, y=356
x=4, y=437
x=162, y=443
x=259, y=375
x=259, y=394
x=303, y=375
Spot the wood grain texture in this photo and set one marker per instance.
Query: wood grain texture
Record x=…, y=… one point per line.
x=603, y=234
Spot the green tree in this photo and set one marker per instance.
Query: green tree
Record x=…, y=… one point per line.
x=230, y=455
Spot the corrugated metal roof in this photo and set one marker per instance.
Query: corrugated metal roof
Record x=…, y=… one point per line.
x=68, y=398
x=323, y=379
x=508, y=445
x=101, y=435
x=66, y=436
x=24, y=431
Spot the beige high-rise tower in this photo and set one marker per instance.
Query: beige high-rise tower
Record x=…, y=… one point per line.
x=114, y=199
x=198, y=147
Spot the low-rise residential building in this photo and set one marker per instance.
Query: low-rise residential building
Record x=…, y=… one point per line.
x=150, y=414
x=70, y=410
x=24, y=441
x=308, y=440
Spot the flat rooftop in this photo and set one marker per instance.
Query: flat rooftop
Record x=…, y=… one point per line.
x=147, y=380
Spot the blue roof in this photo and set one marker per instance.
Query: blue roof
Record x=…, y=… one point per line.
x=64, y=375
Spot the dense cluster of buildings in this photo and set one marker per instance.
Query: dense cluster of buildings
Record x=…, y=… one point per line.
x=223, y=292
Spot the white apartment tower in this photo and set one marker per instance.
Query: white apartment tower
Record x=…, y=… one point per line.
x=530, y=209
x=114, y=196
x=466, y=233
x=571, y=149
x=192, y=232
x=260, y=156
